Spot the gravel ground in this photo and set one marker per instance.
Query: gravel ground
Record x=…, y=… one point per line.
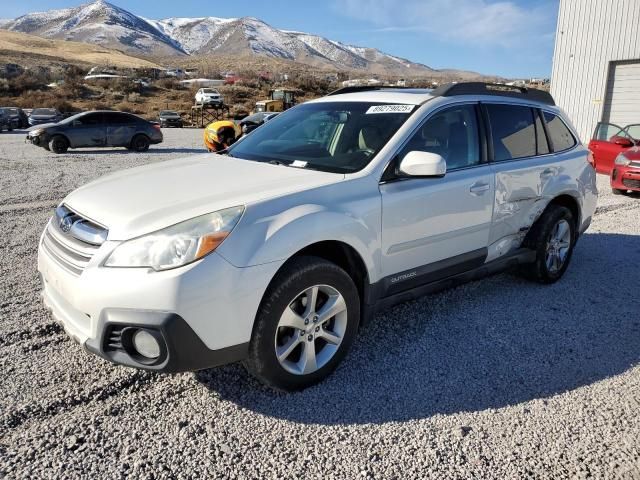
x=495, y=379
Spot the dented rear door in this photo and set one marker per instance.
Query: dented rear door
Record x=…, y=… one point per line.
x=523, y=168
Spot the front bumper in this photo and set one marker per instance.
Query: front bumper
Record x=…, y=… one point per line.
x=171, y=123
x=181, y=349
x=37, y=140
x=626, y=178
x=204, y=312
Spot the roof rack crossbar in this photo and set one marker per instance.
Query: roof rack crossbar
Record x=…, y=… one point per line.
x=494, y=89
x=361, y=88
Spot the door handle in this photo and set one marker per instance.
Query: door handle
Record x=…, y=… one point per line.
x=479, y=188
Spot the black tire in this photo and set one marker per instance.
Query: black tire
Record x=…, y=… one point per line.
x=617, y=191
x=140, y=143
x=299, y=275
x=58, y=144
x=46, y=147
x=539, y=238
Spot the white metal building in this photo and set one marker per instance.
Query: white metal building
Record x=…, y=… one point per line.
x=596, y=62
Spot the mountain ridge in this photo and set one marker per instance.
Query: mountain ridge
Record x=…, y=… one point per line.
x=103, y=23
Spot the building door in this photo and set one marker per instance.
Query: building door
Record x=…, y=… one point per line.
x=622, y=98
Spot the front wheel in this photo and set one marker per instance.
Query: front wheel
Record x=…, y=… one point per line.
x=305, y=325
x=617, y=191
x=58, y=144
x=553, y=238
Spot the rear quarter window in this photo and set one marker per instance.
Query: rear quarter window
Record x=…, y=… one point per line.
x=559, y=134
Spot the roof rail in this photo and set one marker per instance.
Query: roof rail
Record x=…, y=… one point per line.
x=360, y=88
x=495, y=89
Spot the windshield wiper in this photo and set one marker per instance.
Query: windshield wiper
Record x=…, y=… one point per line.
x=278, y=162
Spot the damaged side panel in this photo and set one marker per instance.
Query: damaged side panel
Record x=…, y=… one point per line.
x=524, y=188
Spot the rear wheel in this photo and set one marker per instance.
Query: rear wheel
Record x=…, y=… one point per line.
x=58, y=144
x=140, y=143
x=305, y=325
x=553, y=238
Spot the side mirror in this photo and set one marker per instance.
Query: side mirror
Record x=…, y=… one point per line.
x=422, y=164
x=622, y=141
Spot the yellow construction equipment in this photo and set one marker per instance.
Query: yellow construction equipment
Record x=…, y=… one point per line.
x=279, y=100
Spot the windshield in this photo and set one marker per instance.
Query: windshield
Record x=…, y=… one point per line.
x=168, y=113
x=43, y=111
x=340, y=137
x=209, y=90
x=633, y=131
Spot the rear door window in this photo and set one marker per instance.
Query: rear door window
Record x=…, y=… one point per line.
x=561, y=137
x=513, y=131
x=117, y=118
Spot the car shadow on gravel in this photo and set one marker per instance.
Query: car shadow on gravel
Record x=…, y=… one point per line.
x=490, y=344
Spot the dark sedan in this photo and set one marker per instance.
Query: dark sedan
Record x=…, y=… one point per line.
x=5, y=120
x=169, y=118
x=250, y=123
x=17, y=117
x=40, y=116
x=97, y=129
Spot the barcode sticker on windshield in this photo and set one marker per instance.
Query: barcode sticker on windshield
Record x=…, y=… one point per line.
x=390, y=109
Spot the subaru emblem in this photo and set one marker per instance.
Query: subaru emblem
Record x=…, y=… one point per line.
x=65, y=224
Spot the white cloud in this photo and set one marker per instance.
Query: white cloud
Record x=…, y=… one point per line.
x=483, y=22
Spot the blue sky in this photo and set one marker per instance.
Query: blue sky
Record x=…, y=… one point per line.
x=512, y=38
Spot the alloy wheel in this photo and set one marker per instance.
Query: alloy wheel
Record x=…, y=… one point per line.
x=311, y=329
x=558, y=246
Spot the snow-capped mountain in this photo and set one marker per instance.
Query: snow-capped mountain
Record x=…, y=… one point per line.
x=105, y=24
x=98, y=22
x=191, y=33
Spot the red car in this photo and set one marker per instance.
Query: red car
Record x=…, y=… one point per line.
x=609, y=141
x=626, y=172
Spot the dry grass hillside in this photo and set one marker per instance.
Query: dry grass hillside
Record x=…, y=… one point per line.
x=14, y=45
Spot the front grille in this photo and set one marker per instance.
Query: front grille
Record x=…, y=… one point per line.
x=629, y=182
x=635, y=164
x=72, y=240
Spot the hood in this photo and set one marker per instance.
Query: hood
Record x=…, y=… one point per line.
x=40, y=126
x=632, y=154
x=141, y=200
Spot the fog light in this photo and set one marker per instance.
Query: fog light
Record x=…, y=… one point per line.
x=146, y=344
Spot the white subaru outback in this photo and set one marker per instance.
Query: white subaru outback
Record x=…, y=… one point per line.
x=277, y=251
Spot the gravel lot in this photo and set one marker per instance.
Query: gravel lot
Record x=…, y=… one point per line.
x=495, y=379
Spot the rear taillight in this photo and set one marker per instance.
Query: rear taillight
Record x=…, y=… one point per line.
x=157, y=126
x=591, y=160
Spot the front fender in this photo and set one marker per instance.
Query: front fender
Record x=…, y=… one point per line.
x=276, y=236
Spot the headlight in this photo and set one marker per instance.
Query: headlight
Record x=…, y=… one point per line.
x=37, y=132
x=177, y=245
x=622, y=160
